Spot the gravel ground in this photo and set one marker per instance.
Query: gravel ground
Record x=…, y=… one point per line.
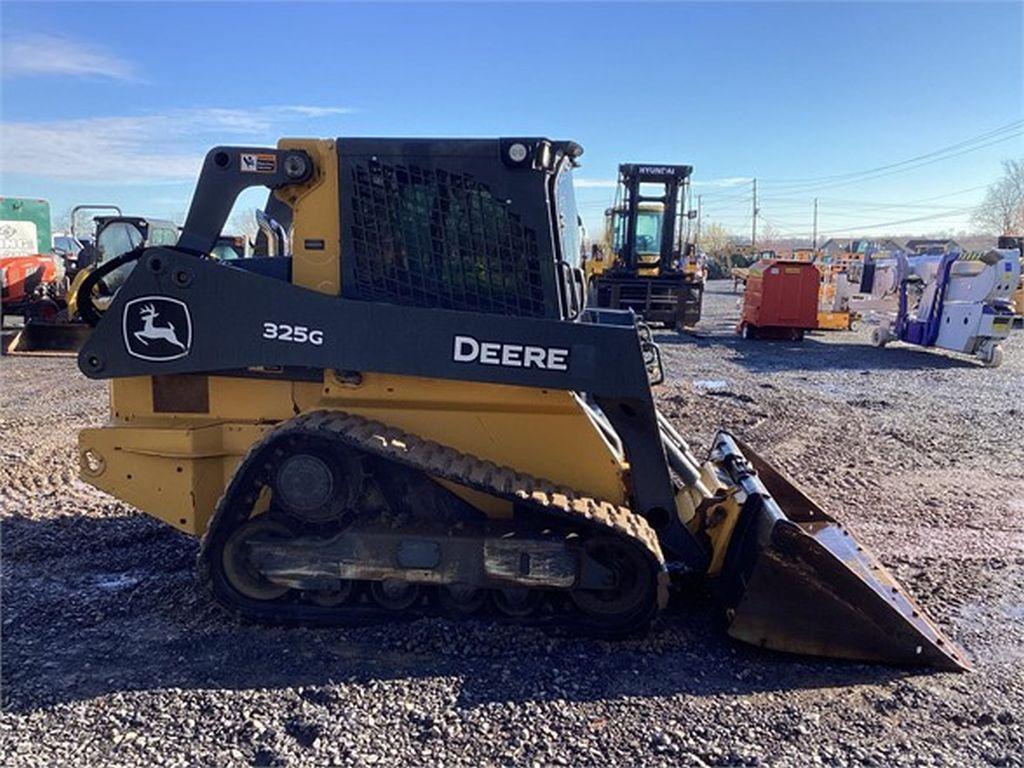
x=110, y=657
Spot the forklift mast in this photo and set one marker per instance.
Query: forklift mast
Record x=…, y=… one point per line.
x=671, y=181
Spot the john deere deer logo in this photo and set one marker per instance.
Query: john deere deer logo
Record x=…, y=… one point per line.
x=150, y=331
x=157, y=328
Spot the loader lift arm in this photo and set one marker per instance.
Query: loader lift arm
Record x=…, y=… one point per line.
x=227, y=172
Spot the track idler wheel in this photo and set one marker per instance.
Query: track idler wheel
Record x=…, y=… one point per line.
x=237, y=566
x=631, y=594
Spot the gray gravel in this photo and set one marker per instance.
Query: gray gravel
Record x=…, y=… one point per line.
x=110, y=656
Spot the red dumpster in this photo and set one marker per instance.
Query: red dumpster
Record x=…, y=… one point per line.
x=780, y=300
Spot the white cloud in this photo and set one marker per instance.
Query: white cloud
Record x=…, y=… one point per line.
x=151, y=148
x=727, y=182
x=593, y=183
x=45, y=54
x=306, y=111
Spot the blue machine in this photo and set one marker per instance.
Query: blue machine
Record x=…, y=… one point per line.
x=957, y=300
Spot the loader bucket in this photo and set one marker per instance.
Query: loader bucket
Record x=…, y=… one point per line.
x=796, y=580
x=52, y=338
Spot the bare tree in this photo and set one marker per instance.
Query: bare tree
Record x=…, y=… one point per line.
x=243, y=223
x=61, y=222
x=715, y=240
x=717, y=243
x=1002, y=210
x=770, y=239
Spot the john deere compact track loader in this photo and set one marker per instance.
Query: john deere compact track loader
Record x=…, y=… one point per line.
x=420, y=415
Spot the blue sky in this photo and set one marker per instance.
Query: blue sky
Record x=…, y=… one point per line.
x=117, y=103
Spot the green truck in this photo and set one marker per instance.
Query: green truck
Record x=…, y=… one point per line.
x=28, y=269
x=24, y=227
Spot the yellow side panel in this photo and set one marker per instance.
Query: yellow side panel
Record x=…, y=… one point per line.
x=544, y=433
x=175, y=474
x=231, y=399
x=179, y=463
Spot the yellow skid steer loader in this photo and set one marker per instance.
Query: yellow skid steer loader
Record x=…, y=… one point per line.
x=417, y=414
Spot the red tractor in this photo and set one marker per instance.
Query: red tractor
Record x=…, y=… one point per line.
x=24, y=279
x=28, y=271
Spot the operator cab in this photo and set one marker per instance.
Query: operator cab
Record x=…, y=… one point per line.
x=116, y=235
x=647, y=239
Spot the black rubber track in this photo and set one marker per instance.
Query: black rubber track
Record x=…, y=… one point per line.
x=539, y=499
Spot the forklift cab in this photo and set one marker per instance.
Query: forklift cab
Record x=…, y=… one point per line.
x=647, y=220
x=646, y=237
x=654, y=270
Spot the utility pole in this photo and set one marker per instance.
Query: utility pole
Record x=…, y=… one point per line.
x=685, y=226
x=753, y=221
x=696, y=239
x=814, y=241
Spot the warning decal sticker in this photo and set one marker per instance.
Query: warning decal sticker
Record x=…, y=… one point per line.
x=259, y=163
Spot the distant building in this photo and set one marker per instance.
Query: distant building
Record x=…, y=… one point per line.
x=835, y=247
x=931, y=245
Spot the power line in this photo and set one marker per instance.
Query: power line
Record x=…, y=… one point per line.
x=951, y=212
x=789, y=187
x=743, y=196
x=863, y=179
x=742, y=189
x=852, y=205
x=860, y=215
x=843, y=201
x=833, y=177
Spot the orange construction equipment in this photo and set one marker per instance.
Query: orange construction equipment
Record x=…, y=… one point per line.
x=781, y=300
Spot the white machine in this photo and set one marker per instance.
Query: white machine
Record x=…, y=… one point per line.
x=955, y=301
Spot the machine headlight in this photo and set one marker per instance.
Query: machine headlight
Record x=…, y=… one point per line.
x=518, y=152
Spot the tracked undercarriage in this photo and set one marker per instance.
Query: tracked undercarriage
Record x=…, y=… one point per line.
x=358, y=528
